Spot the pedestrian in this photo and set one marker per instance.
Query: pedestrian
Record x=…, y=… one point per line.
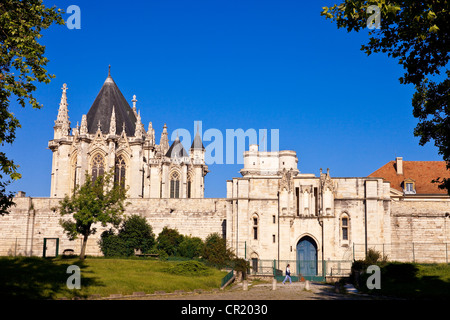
x=288, y=275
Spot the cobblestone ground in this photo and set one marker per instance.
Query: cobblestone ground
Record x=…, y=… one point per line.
x=294, y=291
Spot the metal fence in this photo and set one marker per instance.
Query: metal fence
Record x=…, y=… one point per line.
x=41, y=247
x=316, y=270
x=420, y=252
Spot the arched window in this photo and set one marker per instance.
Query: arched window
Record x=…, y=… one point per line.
x=73, y=172
x=344, y=227
x=120, y=171
x=189, y=186
x=255, y=226
x=98, y=166
x=175, y=185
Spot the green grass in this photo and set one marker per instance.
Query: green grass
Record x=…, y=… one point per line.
x=38, y=278
x=415, y=281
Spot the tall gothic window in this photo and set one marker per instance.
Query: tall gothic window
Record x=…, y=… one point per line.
x=98, y=166
x=73, y=172
x=120, y=171
x=189, y=186
x=255, y=227
x=344, y=226
x=175, y=185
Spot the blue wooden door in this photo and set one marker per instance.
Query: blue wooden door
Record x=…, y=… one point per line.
x=307, y=257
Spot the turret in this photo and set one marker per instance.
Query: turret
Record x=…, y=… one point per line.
x=62, y=123
x=164, y=142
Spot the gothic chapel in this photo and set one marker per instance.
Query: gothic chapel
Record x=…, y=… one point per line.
x=112, y=137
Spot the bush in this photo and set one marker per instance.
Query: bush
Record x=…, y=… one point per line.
x=242, y=266
x=190, y=247
x=189, y=268
x=134, y=234
x=215, y=251
x=111, y=245
x=137, y=234
x=359, y=267
x=169, y=241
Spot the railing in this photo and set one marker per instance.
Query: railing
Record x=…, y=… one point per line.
x=227, y=278
x=316, y=270
x=420, y=252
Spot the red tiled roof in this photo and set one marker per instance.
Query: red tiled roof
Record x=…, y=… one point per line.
x=422, y=172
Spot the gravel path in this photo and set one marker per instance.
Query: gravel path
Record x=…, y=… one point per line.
x=294, y=291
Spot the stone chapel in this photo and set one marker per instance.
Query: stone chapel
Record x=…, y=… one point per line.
x=112, y=137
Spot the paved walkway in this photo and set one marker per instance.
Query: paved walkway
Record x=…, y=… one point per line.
x=294, y=291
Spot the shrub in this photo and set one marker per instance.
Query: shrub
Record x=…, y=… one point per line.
x=134, y=234
x=169, y=241
x=111, y=245
x=137, y=234
x=215, y=251
x=242, y=266
x=190, y=247
x=189, y=268
x=358, y=274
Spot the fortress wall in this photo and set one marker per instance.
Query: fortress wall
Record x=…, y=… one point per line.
x=23, y=230
x=420, y=231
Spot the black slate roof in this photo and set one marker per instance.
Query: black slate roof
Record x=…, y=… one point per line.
x=102, y=107
x=177, y=150
x=197, y=142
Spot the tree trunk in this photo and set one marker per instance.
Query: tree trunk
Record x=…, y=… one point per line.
x=83, y=247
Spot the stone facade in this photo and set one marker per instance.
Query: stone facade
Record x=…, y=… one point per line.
x=272, y=212
x=32, y=219
x=105, y=143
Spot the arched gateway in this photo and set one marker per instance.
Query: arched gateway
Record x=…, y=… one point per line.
x=307, y=256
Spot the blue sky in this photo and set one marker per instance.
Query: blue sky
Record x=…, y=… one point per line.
x=232, y=64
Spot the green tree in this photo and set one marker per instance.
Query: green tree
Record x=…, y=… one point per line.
x=169, y=241
x=190, y=247
x=137, y=234
x=99, y=201
x=416, y=33
x=22, y=65
x=216, y=251
x=134, y=233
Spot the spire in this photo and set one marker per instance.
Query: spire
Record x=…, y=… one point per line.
x=176, y=150
x=151, y=133
x=134, y=105
x=164, y=142
x=62, y=120
x=197, y=144
x=112, y=123
x=139, y=126
x=109, y=71
x=83, y=129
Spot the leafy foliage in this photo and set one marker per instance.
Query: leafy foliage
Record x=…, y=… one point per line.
x=22, y=64
x=416, y=33
x=242, y=266
x=189, y=268
x=190, y=247
x=134, y=234
x=216, y=252
x=98, y=201
x=169, y=241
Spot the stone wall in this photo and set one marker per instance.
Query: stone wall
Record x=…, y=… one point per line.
x=22, y=232
x=420, y=230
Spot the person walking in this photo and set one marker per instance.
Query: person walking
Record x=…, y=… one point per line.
x=288, y=275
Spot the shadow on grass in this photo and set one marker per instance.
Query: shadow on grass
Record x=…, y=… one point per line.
x=411, y=281
x=40, y=278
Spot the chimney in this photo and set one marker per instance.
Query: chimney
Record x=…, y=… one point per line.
x=399, y=165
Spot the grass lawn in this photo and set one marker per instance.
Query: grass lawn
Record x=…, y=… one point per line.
x=415, y=281
x=39, y=278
